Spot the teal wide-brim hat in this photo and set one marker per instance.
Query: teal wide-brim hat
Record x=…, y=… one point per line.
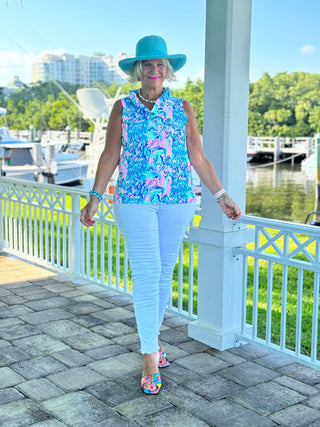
x=152, y=47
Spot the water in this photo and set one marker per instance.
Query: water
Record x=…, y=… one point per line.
x=282, y=192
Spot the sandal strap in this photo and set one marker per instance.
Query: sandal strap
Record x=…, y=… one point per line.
x=166, y=363
x=163, y=353
x=155, y=379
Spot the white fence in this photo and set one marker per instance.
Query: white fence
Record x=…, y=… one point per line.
x=42, y=223
x=280, y=282
x=281, y=267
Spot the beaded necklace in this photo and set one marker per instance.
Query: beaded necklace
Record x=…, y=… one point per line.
x=148, y=100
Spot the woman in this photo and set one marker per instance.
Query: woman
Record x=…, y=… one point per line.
x=154, y=199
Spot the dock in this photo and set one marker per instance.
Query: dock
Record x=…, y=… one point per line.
x=279, y=147
x=275, y=146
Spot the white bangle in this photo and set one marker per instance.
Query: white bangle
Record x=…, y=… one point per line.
x=219, y=193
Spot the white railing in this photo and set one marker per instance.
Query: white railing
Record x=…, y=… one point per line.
x=52, y=135
x=260, y=144
x=281, y=267
x=41, y=222
x=280, y=145
x=280, y=282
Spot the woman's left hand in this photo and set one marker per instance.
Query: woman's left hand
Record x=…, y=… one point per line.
x=230, y=208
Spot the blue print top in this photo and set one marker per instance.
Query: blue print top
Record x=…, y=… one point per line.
x=154, y=165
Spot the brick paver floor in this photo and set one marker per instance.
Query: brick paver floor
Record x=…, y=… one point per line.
x=69, y=356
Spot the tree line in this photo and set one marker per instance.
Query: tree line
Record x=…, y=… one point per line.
x=287, y=105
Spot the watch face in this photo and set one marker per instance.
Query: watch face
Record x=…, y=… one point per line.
x=53, y=167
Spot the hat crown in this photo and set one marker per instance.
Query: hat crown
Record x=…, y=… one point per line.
x=155, y=46
x=152, y=47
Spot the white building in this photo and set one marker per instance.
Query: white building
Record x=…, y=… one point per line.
x=114, y=73
x=83, y=70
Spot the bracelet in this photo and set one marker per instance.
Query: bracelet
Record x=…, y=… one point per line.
x=95, y=193
x=222, y=198
x=219, y=193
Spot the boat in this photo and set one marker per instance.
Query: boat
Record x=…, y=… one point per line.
x=251, y=153
x=96, y=107
x=313, y=218
x=5, y=138
x=252, y=149
x=33, y=161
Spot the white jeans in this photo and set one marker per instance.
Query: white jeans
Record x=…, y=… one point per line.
x=153, y=235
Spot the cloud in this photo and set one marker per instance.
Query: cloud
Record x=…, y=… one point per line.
x=15, y=64
x=14, y=59
x=51, y=52
x=307, y=48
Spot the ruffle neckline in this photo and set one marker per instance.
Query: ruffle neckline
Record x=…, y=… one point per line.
x=160, y=101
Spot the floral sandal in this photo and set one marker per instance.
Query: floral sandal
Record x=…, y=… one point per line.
x=163, y=360
x=155, y=381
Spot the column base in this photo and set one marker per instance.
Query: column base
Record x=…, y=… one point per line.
x=219, y=341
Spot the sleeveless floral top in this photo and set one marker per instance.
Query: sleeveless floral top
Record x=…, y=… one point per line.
x=154, y=165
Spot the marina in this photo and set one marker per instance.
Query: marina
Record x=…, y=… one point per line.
x=259, y=149
x=68, y=157
x=34, y=161
x=96, y=106
x=288, y=177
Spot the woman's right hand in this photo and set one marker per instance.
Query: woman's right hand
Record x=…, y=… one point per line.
x=230, y=208
x=87, y=213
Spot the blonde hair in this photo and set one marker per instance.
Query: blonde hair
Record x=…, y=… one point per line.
x=135, y=72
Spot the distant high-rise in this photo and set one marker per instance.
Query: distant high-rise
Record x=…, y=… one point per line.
x=82, y=70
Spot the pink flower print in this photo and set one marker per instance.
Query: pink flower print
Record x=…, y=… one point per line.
x=169, y=146
x=168, y=187
x=123, y=168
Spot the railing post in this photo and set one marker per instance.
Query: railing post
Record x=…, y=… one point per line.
x=311, y=146
x=75, y=238
x=276, y=149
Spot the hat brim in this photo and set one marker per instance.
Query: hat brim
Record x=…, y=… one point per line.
x=176, y=61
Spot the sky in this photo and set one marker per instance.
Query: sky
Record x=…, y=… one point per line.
x=285, y=34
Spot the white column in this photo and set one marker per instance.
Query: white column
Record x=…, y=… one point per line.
x=226, y=90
